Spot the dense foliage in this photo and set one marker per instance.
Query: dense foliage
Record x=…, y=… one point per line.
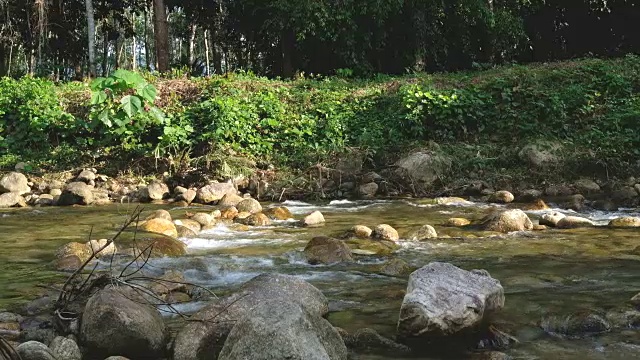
x=591, y=106
x=282, y=37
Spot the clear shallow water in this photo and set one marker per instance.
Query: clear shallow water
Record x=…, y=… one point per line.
x=545, y=274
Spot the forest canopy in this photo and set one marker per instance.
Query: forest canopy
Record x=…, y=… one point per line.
x=282, y=37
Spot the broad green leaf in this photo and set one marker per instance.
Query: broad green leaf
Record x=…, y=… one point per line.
x=104, y=118
x=97, y=83
x=158, y=114
x=131, y=105
x=131, y=78
x=98, y=97
x=148, y=92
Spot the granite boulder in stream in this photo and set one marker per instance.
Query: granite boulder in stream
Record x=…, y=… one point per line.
x=279, y=329
x=444, y=300
x=204, y=338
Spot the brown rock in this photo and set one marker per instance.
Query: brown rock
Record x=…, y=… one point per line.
x=229, y=213
x=259, y=219
x=572, y=222
x=457, y=222
x=160, y=214
x=160, y=226
x=325, y=250
x=278, y=213
x=385, y=232
x=627, y=221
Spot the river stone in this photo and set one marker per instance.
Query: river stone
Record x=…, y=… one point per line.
x=574, y=202
x=456, y=222
x=231, y=199
x=627, y=221
x=204, y=219
x=180, y=190
x=86, y=176
x=116, y=358
x=359, y=231
x=369, y=341
x=185, y=232
x=187, y=196
x=169, y=282
x=241, y=217
x=551, y=219
x=576, y=325
x=82, y=251
x=259, y=219
x=541, y=154
x=283, y=330
x=157, y=190
x=33, y=350
x=55, y=192
x=424, y=233
x=507, y=221
x=385, y=232
x=572, y=222
x=278, y=213
x=395, y=267
x=325, y=250
x=315, y=218
x=443, y=300
x=114, y=324
x=501, y=197
x=96, y=245
x=76, y=193
x=12, y=199
x=450, y=200
x=423, y=166
x=162, y=246
x=538, y=204
x=203, y=340
x=372, y=247
x=249, y=205
x=229, y=213
x=160, y=226
x=586, y=186
x=558, y=190
x=189, y=223
x=214, y=192
x=64, y=348
x=530, y=195
x=14, y=182
x=160, y=214
x=44, y=200
x=368, y=190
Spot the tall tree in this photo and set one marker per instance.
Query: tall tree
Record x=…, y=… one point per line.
x=161, y=35
x=91, y=35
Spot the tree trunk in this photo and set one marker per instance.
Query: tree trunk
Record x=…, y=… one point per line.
x=206, y=51
x=91, y=35
x=118, y=53
x=288, y=45
x=161, y=35
x=192, y=45
x=105, y=54
x=147, y=48
x=134, y=52
x=3, y=60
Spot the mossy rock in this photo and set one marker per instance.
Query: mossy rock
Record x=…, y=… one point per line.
x=162, y=245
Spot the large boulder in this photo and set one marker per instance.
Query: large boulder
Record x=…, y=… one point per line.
x=313, y=219
x=507, y=221
x=424, y=233
x=586, y=186
x=423, y=167
x=161, y=246
x=114, y=324
x=14, y=182
x=203, y=340
x=76, y=193
x=12, y=199
x=33, y=350
x=249, y=205
x=258, y=219
x=326, y=250
x=551, y=219
x=157, y=190
x=214, y=192
x=64, y=348
x=444, y=300
x=204, y=219
x=541, y=154
x=368, y=190
x=160, y=214
x=160, y=226
x=102, y=248
x=572, y=222
x=231, y=199
x=86, y=176
x=278, y=213
x=71, y=256
x=395, y=267
x=385, y=232
x=627, y=221
x=188, y=223
x=283, y=330
x=501, y=197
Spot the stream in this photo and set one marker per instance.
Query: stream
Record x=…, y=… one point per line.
x=545, y=274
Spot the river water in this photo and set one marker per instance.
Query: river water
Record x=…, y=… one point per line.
x=550, y=274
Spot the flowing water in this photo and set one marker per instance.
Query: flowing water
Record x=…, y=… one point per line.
x=548, y=274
